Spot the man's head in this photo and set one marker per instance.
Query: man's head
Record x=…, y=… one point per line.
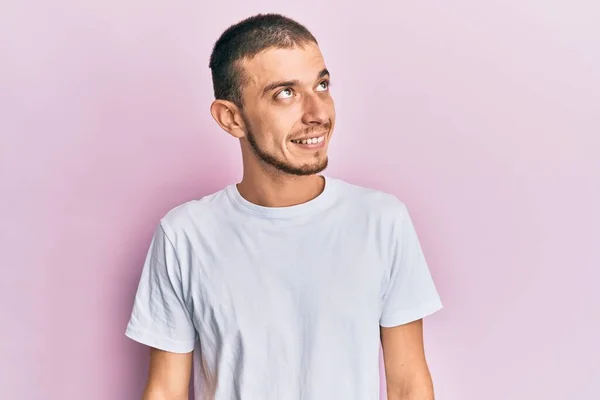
x=272, y=91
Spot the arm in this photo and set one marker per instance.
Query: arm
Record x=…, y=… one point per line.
x=162, y=319
x=410, y=296
x=406, y=370
x=168, y=376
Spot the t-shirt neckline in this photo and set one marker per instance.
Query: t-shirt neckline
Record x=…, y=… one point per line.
x=313, y=205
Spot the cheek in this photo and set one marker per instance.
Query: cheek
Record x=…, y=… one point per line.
x=282, y=126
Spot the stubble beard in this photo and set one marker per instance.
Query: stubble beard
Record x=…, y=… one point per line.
x=319, y=165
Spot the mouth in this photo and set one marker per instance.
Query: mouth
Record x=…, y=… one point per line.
x=310, y=143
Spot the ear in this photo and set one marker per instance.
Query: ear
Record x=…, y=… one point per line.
x=229, y=117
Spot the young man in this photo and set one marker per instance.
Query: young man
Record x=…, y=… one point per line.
x=283, y=286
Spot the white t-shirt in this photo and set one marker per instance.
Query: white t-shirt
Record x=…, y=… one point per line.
x=283, y=303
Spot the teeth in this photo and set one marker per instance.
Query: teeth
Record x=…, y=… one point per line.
x=310, y=141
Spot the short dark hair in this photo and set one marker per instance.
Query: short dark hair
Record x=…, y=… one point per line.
x=246, y=39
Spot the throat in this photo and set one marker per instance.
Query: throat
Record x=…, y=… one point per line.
x=282, y=193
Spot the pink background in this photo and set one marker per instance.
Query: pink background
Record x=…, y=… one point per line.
x=483, y=116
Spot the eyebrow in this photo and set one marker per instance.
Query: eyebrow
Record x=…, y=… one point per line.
x=275, y=85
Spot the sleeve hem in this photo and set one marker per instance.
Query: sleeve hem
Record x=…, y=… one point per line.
x=405, y=316
x=166, y=344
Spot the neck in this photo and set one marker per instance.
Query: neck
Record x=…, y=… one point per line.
x=280, y=190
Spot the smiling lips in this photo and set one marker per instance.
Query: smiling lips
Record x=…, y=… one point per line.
x=311, y=144
x=310, y=141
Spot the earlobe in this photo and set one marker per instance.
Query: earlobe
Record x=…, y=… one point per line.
x=226, y=115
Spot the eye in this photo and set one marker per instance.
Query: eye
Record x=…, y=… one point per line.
x=284, y=94
x=323, y=86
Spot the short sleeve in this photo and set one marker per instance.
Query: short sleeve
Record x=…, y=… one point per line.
x=161, y=317
x=411, y=293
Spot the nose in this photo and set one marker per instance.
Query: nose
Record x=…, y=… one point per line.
x=315, y=111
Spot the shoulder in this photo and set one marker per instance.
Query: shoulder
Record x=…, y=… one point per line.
x=372, y=201
x=205, y=212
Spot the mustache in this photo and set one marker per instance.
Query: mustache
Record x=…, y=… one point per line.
x=326, y=127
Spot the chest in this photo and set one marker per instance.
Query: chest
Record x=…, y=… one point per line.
x=261, y=277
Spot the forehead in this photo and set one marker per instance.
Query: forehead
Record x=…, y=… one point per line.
x=298, y=63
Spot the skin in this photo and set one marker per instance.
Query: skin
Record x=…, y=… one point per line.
x=168, y=376
x=280, y=173
x=406, y=369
